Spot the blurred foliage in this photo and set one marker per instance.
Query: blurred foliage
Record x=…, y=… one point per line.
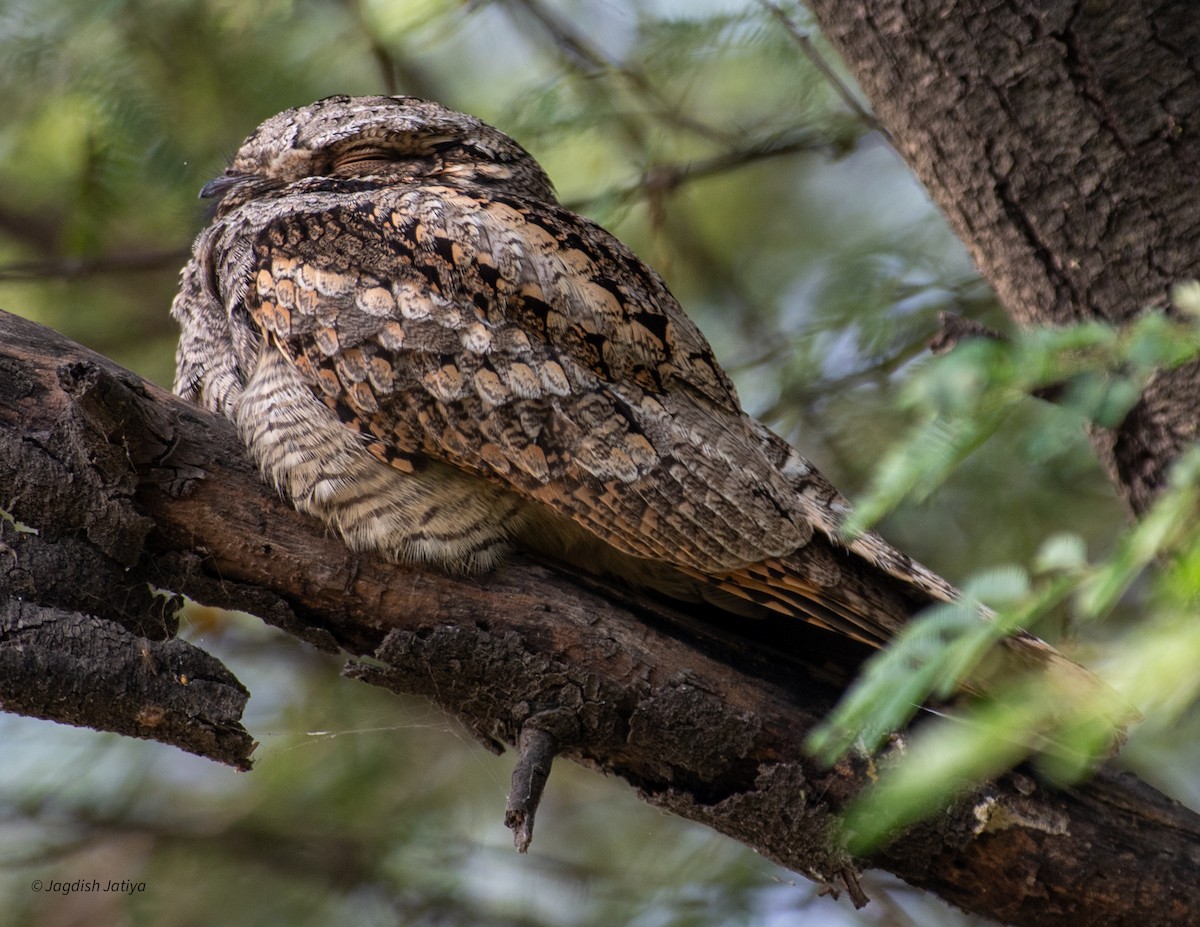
x=718, y=139
x=1096, y=373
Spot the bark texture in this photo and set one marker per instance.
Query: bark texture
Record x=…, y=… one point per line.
x=116, y=490
x=1061, y=139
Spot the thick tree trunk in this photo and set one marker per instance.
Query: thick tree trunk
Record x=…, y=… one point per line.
x=1061, y=139
x=116, y=490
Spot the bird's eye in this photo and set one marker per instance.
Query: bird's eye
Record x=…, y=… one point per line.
x=362, y=159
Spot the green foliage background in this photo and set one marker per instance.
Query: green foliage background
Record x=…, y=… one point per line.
x=707, y=136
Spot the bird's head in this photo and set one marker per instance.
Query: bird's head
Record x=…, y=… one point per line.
x=377, y=140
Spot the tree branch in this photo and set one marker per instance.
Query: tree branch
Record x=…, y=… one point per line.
x=91, y=672
x=806, y=45
x=120, y=490
x=74, y=268
x=666, y=178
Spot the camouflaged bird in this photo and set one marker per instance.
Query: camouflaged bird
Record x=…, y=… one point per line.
x=422, y=348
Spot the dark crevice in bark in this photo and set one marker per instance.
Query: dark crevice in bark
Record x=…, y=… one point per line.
x=1083, y=74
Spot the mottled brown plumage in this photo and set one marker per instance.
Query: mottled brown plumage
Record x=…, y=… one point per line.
x=422, y=348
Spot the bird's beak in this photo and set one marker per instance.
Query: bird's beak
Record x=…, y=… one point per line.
x=218, y=188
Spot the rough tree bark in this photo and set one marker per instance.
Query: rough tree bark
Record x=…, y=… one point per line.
x=1061, y=139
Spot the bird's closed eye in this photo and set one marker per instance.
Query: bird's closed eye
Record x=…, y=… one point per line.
x=362, y=159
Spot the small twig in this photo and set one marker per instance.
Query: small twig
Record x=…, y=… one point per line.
x=588, y=61
x=801, y=38
x=71, y=268
x=854, y=888
x=396, y=74
x=385, y=64
x=671, y=176
x=957, y=328
x=536, y=749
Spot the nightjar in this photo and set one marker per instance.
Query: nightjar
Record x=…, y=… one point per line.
x=422, y=348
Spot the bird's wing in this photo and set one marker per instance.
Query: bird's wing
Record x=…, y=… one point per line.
x=525, y=345
x=522, y=344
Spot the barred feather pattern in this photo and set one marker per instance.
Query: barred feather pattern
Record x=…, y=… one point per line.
x=422, y=348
